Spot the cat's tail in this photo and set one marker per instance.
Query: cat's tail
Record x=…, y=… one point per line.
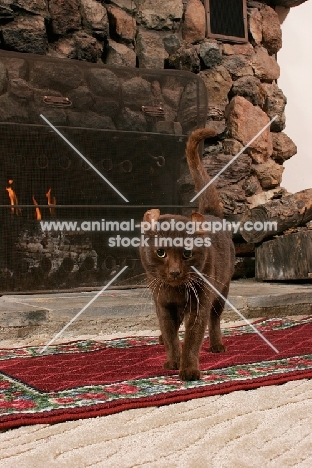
x=209, y=202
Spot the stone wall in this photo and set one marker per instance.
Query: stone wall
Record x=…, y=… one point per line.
x=241, y=79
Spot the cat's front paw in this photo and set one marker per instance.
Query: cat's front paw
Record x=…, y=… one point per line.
x=173, y=365
x=190, y=374
x=219, y=348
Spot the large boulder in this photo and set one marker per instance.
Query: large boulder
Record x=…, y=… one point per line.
x=159, y=15
x=210, y=54
x=255, y=25
x=172, y=43
x=244, y=122
x=283, y=147
x=264, y=66
x=271, y=30
x=122, y=24
x=218, y=82
x=65, y=16
x=185, y=58
x=79, y=46
x=194, y=25
x=249, y=87
x=150, y=49
x=26, y=34
x=275, y=102
x=269, y=174
x=36, y=7
x=237, y=49
x=237, y=66
x=94, y=18
x=119, y=55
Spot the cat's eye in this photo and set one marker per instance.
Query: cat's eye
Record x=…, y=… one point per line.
x=161, y=253
x=187, y=254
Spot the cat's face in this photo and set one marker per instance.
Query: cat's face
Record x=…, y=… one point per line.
x=173, y=265
x=170, y=254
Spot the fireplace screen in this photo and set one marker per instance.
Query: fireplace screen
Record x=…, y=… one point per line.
x=85, y=150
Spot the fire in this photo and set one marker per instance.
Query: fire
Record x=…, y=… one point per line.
x=38, y=212
x=51, y=202
x=14, y=202
x=13, y=199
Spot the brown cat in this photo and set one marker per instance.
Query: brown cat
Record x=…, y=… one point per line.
x=180, y=294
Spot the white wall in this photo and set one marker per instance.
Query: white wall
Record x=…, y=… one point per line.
x=295, y=60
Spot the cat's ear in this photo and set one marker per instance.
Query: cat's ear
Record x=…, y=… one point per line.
x=151, y=215
x=198, y=218
x=150, y=219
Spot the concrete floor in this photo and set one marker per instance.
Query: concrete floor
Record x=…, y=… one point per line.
x=127, y=310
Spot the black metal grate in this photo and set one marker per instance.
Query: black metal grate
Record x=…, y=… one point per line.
x=58, y=117
x=227, y=19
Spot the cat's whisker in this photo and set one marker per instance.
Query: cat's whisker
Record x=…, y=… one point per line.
x=188, y=298
x=161, y=284
x=134, y=280
x=210, y=277
x=207, y=275
x=152, y=284
x=155, y=285
x=193, y=288
x=204, y=287
x=206, y=290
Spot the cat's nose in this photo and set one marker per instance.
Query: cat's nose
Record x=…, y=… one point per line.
x=174, y=273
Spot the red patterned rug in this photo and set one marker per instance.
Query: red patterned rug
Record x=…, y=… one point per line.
x=85, y=379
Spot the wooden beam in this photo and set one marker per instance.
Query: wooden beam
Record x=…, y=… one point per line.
x=285, y=258
x=286, y=212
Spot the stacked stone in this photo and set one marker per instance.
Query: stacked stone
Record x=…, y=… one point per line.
x=241, y=79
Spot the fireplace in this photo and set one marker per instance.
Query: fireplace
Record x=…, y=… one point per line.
x=91, y=146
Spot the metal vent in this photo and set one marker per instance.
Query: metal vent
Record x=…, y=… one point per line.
x=227, y=19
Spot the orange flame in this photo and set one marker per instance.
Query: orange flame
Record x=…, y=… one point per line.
x=51, y=202
x=38, y=212
x=13, y=199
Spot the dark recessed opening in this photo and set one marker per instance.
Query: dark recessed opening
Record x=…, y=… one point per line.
x=227, y=19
